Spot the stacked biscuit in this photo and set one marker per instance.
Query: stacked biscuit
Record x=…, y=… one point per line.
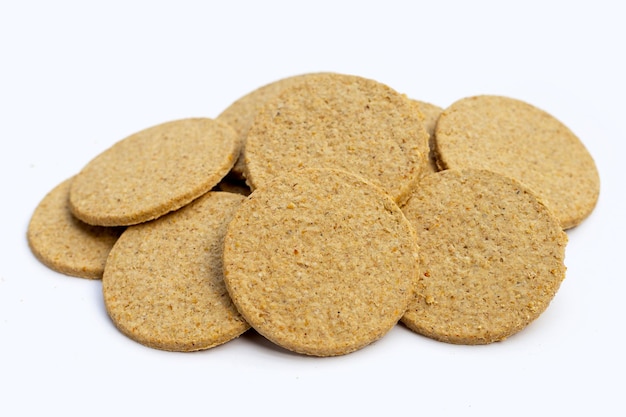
x=321, y=210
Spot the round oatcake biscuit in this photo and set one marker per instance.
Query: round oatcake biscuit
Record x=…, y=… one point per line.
x=241, y=113
x=430, y=113
x=163, y=283
x=516, y=139
x=153, y=172
x=491, y=256
x=320, y=262
x=339, y=121
x=64, y=243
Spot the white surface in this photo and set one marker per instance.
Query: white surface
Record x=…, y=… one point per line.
x=75, y=78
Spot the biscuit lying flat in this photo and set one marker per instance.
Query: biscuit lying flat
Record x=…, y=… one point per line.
x=339, y=121
x=491, y=256
x=320, y=262
x=518, y=140
x=64, y=243
x=153, y=172
x=241, y=113
x=163, y=282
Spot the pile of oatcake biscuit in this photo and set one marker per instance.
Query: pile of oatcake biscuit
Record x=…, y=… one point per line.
x=321, y=210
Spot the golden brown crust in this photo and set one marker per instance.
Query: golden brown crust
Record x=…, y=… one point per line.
x=163, y=283
x=320, y=262
x=153, y=172
x=64, y=243
x=521, y=141
x=491, y=256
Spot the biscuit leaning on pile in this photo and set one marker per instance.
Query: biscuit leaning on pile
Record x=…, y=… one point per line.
x=321, y=210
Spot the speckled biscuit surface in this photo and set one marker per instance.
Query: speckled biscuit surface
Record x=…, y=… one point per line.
x=163, y=282
x=516, y=139
x=491, y=256
x=64, y=243
x=430, y=113
x=153, y=172
x=339, y=121
x=320, y=262
x=241, y=113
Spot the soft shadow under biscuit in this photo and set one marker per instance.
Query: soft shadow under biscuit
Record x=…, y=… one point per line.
x=430, y=114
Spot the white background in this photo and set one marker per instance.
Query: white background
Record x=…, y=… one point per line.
x=76, y=77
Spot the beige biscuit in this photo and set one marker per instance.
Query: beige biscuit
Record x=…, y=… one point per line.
x=241, y=113
x=163, y=282
x=64, y=243
x=153, y=172
x=339, y=121
x=491, y=256
x=430, y=113
x=521, y=141
x=320, y=262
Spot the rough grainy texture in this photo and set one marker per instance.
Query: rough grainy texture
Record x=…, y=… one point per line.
x=320, y=262
x=339, y=121
x=153, y=172
x=241, y=113
x=491, y=256
x=518, y=140
x=66, y=244
x=430, y=113
x=163, y=282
